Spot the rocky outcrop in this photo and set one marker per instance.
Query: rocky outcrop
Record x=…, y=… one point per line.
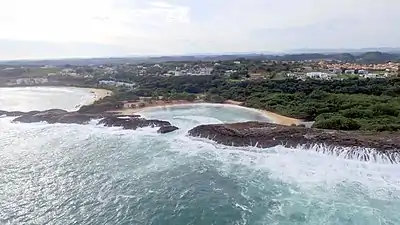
x=56, y=116
x=167, y=129
x=100, y=107
x=268, y=135
x=131, y=122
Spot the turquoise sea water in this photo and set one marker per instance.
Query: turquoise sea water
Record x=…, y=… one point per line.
x=87, y=174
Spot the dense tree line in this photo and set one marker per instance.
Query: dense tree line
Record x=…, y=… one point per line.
x=242, y=90
x=335, y=111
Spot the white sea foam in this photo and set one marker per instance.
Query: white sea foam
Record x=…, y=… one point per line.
x=303, y=166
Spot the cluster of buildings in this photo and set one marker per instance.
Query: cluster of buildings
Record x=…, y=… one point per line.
x=28, y=81
x=331, y=75
x=387, y=67
x=252, y=70
x=168, y=70
x=86, y=72
x=328, y=70
x=189, y=71
x=116, y=83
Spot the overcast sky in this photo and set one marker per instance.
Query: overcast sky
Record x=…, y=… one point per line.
x=98, y=28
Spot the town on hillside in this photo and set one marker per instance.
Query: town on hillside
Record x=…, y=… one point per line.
x=109, y=73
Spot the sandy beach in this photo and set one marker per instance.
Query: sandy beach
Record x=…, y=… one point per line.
x=279, y=119
x=276, y=118
x=100, y=93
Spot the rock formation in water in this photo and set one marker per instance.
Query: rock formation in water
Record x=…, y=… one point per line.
x=132, y=123
x=56, y=116
x=107, y=119
x=268, y=135
x=167, y=129
x=100, y=107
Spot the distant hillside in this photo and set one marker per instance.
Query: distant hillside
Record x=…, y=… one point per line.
x=349, y=50
x=372, y=57
x=365, y=57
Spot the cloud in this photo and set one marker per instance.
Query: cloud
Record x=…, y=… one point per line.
x=192, y=26
x=161, y=4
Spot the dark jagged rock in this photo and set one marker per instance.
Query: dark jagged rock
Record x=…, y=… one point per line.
x=100, y=107
x=167, y=129
x=52, y=116
x=55, y=116
x=268, y=135
x=132, y=123
x=131, y=116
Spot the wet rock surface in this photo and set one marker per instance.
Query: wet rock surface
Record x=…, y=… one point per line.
x=130, y=122
x=266, y=135
x=167, y=129
x=56, y=116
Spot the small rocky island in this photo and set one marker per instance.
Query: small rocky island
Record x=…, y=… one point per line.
x=53, y=116
x=268, y=135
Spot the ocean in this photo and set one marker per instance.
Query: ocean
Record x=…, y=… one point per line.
x=88, y=174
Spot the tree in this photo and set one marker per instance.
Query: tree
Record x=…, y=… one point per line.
x=235, y=76
x=191, y=97
x=385, y=109
x=337, y=123
x=215, y=98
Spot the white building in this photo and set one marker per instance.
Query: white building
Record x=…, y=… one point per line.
x=319, y=75
x=31, y=81
x=362, y=72
x=68, y=72
x=370, y=75
x=115, y=83
x=47, y=66
x=349, y=71
x=9, y=68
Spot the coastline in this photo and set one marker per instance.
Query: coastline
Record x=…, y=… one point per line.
x=99, y=93
x=274, y=117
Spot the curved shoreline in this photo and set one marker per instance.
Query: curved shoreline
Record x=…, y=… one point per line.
x=273, y=117
x=99, y=93
x=96, y=93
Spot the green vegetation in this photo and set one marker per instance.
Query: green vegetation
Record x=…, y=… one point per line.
x=348, y=76
x=336, y=111
x=353, y=104
x=39, y=72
